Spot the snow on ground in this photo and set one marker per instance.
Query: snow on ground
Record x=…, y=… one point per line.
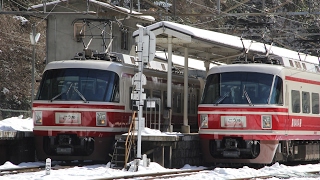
x=104, y=171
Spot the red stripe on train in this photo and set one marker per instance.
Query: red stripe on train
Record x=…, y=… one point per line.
x=262, y=137
x=240, y=109
x=79, y=133
x=307, y=81
x=89, y=106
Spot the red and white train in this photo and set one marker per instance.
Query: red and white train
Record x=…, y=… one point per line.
x=261, y=112
x=82, y=104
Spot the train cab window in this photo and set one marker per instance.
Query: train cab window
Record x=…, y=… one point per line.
x=248, y=88
x=212, y=89
x=305, y=102
x=277, y=94
x=295, y=101
x=315, y=103
x=79, y=84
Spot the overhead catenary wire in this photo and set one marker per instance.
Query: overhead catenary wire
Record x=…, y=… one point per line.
x=296, y=34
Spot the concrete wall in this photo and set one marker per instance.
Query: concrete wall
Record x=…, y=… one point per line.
x=62, y=45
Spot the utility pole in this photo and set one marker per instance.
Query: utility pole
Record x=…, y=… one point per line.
x=33, y=61
x=146, y=52
x=33, y=39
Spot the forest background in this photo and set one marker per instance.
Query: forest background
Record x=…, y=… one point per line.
x=292, y=24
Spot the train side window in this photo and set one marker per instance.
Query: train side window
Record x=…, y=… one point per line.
x=193, y=104
x=164, y=105
x=157, y=94
x=304, y=66
x=179, y=102
x=317, y=68
x=305, y=102
x=295, y=101
x=291, y=63
x=315, y=103
x=148, y=96
x=176, y=99
x=124, y=39
x=298, y=64
x=174, y=102
x=189, y=103
x=131, y=102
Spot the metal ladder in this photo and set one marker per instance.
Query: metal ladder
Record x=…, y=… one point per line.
x=123, y=148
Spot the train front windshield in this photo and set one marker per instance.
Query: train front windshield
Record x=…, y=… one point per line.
x=79, y=84
x=243, y=88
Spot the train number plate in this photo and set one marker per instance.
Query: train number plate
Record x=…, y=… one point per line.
x=68, y=118
x=234, y=121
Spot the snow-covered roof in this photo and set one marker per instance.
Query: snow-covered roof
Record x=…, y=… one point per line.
x=214, y=46
x=103, y=4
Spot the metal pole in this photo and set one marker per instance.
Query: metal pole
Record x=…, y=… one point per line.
x=33, y=63
x=185, y=82
x=169, y=80
x=167, y=10
x=140, y=107
x=44, y=6
x=1, y=5
x=138, y=5
x=218, y=7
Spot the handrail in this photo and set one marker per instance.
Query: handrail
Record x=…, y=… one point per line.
x=129, y=139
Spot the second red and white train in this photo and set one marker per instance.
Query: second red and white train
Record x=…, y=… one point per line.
x=261, y=113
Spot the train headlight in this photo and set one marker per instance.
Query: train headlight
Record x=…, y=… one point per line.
x=203, y=121
x=37, y=117
x=266, y=121
x=101, y=118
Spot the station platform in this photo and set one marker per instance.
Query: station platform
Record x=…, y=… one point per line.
x=172, y=150
x=16, y=146
x=14, y=135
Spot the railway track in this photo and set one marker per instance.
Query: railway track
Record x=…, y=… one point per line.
x=9, y=171
x=159, y=175
x=168, y=174
x=35, y=168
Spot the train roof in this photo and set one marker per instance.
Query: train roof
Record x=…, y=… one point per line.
x=215, y=47
x=270, y=68
x=263, y=68
x=90, y=64
x=117, y=62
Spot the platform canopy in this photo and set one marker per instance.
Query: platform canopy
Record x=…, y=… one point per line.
x=213, y=46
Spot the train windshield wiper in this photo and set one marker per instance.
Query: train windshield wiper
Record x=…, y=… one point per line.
x=244, y=93
x=79, y=93
x=222, y=97
x=64, y=91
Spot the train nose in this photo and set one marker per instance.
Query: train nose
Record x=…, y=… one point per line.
x=231, y=150
x=231, y=143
